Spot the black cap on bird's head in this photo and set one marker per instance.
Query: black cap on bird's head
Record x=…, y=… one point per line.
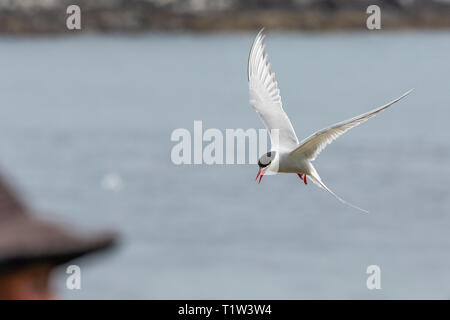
x=264, y=162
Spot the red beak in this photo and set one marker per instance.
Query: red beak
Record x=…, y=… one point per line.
x=260, y=174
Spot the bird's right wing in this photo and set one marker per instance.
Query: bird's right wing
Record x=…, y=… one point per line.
x=265, y=97
x=314, y=144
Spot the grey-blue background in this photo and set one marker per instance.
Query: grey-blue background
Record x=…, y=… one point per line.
x=75, y=109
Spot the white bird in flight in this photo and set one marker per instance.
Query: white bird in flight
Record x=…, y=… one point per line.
x=287, y=154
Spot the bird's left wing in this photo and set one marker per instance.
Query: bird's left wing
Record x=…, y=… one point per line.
x=313, y=145
x=265, y=97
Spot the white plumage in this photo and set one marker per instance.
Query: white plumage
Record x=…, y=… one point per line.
x=265, y=96
x=288, y=155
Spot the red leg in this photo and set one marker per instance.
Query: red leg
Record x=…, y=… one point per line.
x=300, y=176
x=304, y=180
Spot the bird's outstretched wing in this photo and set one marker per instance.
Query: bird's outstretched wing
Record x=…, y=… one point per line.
x=265, y=97
x=311, y=147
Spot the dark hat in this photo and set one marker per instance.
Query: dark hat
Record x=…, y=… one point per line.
x=26, y=239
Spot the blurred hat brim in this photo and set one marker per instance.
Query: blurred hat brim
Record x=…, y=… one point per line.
x=27, y=240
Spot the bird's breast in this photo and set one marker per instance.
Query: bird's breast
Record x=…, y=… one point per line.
x=288, y=164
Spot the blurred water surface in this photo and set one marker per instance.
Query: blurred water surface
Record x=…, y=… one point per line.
x=75, y=111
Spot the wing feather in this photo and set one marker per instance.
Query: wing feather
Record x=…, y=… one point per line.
x=311, y=147
x=265, y=97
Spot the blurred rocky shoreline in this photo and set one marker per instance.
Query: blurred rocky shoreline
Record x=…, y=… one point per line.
x=49, y=16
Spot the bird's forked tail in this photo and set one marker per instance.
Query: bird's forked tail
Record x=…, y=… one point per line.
x=316, y=179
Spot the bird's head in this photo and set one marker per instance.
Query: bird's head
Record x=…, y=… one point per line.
x=264, y=163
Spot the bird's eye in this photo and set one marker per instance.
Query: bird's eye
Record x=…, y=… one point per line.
x=270, y=155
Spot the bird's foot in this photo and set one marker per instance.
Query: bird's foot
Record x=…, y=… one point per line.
x=302, y=177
